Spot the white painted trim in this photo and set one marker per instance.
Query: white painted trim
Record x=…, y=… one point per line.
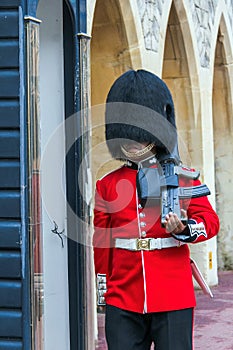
x=55, y=266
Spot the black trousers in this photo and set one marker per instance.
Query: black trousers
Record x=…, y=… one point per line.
x=127, y=330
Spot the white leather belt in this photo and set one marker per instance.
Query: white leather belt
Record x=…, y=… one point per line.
x=137, y=244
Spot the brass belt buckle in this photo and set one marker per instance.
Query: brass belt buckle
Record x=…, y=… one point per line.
x=143, y=244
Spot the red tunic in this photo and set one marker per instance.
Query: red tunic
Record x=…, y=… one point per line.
x=143, y=281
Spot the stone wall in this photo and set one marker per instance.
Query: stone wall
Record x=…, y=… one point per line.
x=188, y=43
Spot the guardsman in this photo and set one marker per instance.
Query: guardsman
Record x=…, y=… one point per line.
x=143, y=268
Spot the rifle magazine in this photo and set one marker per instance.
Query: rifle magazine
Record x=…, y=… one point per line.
x=193, y=192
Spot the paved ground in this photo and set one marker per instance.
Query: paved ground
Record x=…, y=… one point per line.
x=213, y=318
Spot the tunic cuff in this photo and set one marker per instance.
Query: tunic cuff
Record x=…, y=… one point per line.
x=192, y=232
x=101, y=288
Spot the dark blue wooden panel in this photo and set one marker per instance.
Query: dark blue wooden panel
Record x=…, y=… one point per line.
x=9, y=23
x=10, y=323
x=9, y=144
x=9, y=204
x=14, y=289
x=9, y=114
x=10, y=294
x=32, y=7
x=10, y=264
x=10, y=234
x=10, y=3
x=9, y=174
x=9, y=53
x=9, y=344
x=9, y=83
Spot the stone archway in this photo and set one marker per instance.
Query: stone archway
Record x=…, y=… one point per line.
x=111, y=55
x=223, y=144
x=180, y=71
x=109, y=49
x=177, y=76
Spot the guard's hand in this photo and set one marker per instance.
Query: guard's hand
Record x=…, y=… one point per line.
x=173, y=224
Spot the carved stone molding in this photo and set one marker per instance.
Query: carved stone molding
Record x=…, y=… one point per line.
x=229, y=5
x=203, y=14
x=150, y=12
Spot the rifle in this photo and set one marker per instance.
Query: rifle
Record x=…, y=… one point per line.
x=163, y=183
x=171, y=193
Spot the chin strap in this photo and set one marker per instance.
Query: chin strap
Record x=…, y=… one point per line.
x=139, y=154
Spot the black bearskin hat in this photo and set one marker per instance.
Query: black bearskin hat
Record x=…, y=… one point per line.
x=139, y=107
